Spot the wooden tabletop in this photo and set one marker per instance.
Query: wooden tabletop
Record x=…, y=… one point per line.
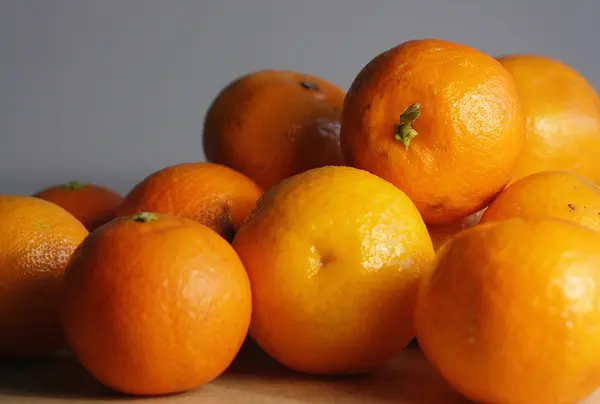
x=252, y=379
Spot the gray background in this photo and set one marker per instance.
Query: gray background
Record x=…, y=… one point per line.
x=110, y=90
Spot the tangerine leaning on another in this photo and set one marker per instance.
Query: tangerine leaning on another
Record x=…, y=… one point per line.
x=211, y=194
x=93, y=205
x=511, y=313
x=440, y=120
x=156, y=304
x=563, y=117
x=36, y=240
x=334, y=257
x=549, y=194
x=271, y=124
x=443, y=232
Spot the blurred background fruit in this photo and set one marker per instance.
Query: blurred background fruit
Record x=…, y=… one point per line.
x=211, y=194
x=549, y=194
x=511, y=312
x=156, y=304
x=440, y=120
x=562, y=112
x=91, y=204
x=334, y=256
x=37, y=239
x=270, y=125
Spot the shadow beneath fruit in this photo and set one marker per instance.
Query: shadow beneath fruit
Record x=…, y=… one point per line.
x=407, y=379
x=63, y=379
x=60, y=377
x=252, y=378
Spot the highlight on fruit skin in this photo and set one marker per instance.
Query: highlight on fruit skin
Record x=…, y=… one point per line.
x=334, y=256
x=440, y=120
x=156, y=304
x=563, y=113
x=92, y=204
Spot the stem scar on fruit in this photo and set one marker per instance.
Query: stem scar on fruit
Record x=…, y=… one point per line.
x=144, y=217
x=74, y=185
x=309, y=85
x=403, y=131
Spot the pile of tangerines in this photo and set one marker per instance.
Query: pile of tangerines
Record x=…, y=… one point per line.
x=447, y=195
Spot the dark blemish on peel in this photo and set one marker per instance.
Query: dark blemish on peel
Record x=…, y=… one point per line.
x=356, y=85
x=437, y=207
x=571, y=207
x=309, y=85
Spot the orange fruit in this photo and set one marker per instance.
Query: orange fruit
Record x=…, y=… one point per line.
x=562, y=111
x=270, y=125
x=91, y=204
x=549, y=194
x=36, y=240
x=440, y=120
x=156, y=304
x=443, y=232
x=334, y=257
x=211, y=194
x=511, y=313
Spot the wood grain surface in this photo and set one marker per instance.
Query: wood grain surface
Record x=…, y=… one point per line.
x=252, y=379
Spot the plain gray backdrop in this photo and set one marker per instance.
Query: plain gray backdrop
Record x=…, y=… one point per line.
x=108, y=91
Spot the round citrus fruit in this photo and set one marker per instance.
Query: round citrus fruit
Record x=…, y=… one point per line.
x=562, y=111
x=211, y=194
x=549, y=194
x=156, y=304
x=511, y=313
x=443, y=232
x=36, y=240
x=93, y=205
x=270, y=125
x=439, y=120
x=334, y=256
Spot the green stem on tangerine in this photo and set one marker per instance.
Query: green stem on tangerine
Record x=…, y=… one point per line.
x=144, y=217
x=74, y=185
x=404, y=132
